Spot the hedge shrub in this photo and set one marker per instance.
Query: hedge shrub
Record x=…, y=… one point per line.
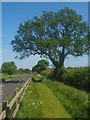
x=77, y=77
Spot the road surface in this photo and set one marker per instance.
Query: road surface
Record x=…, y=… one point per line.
x=9, y=87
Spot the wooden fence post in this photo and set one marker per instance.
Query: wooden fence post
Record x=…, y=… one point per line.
x=6, y=108
x=16, y=103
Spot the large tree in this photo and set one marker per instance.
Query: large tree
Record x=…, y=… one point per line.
x=54, y=35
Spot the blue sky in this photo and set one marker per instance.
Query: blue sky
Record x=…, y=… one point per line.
x=15, y=13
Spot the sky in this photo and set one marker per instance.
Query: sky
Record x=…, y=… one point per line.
x=15, y=13
x=45, y=0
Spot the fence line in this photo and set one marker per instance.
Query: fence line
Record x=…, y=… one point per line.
x=14, y=104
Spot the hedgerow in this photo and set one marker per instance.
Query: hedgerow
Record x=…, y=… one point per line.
x=77, y=77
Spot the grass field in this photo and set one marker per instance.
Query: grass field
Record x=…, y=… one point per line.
x=9, y=77
x=49, y=99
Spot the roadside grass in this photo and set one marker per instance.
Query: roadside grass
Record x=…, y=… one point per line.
x=30, y=106
x=40, y=102
x=75, y=101
x=37, y=78
x=5, y=76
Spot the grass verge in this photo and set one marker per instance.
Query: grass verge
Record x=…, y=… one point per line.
x=75, y=101
x=40, y=102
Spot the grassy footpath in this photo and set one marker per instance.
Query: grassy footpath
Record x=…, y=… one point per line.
x=50, y=99
x=75, y=101
x=40, y=102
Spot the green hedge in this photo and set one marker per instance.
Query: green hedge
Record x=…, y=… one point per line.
x=77, y=77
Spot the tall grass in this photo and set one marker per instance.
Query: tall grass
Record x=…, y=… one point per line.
x=75, y=101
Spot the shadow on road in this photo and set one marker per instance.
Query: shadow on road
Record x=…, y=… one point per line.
x=12, y=81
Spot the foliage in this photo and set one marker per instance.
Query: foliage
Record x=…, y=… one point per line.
x=9, y=68
x=22, y=71
x=75, y=101
x=77, y=77
x=54, y=35
x=40, y=66
x=48, y=74
x=37, y=78
x=27, y=70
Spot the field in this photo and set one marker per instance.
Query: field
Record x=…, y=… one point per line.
x=49, y=99
x=5, y=76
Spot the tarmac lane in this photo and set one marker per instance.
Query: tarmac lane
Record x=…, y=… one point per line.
x=9, y=87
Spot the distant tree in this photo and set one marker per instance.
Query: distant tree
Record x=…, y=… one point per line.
x=40, y=66
x=0, y=70
x=21, y=70
x=54, y=35
x=27, y=70
x=9, y=68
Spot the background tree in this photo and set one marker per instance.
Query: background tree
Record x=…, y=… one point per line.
x=54, y=35
x=27, y=70
x=22, y=71
x=9, y=68
x=40, y=66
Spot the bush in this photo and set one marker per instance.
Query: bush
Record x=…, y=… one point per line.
x=77, y=77
x=37, y=78
x=48, y=74
x=40, y=66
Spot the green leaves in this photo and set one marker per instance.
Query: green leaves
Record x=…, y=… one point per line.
x=40, y=66
x=9, y=68
x=48, y=34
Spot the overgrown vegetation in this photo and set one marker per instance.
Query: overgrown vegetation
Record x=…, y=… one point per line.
x=37, y=78
x=40, y=66
x=75, y=101
x=75, y=77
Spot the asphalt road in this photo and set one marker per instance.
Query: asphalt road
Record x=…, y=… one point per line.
x=9, y=87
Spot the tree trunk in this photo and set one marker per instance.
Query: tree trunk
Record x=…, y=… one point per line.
x=58, y=71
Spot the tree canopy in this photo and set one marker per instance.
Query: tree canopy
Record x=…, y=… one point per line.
x=21, y=70
x=9, y=68
x=40, y=66
x=54, y=35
